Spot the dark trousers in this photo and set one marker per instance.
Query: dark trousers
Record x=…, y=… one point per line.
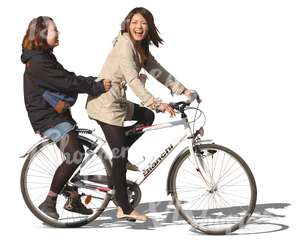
x=119, y=143
x=74, y=153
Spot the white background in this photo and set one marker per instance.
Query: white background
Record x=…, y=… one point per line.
x=242, y=57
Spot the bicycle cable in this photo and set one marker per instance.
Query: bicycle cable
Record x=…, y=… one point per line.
x=201, y=113
x=196, y=118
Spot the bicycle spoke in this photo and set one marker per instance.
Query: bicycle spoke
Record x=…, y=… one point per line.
x=42, y=170
x=44, y=159
x=221, y=205
x=232, y=179
x=53, y=159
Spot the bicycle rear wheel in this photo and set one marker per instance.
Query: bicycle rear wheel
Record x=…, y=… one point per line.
x=36, y=178
x=217, y=197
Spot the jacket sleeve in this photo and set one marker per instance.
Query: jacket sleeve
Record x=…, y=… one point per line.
x=52, y=76
x=130, y=71
x=163, y=76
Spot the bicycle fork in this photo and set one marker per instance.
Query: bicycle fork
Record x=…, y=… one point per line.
x=197, y=159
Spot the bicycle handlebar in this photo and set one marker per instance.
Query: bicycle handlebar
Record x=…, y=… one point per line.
x=180, y=106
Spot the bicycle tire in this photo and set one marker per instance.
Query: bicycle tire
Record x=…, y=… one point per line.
x=31, y=204
x=211, y=214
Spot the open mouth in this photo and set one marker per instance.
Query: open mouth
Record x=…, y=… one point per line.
x=139, y=33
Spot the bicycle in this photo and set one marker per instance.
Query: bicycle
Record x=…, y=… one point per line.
x=211, y=186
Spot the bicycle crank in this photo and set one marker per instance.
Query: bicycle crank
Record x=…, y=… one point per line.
x=134, y=194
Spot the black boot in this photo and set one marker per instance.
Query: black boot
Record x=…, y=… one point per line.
x=75, y=205
x=49, y=207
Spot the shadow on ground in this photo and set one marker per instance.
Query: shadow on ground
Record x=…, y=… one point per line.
x=163, y=213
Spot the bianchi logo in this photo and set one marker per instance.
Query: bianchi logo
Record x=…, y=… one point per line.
x=153, y=165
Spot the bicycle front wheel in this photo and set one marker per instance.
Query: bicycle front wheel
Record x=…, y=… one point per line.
x=37, y=175
x=216, y=191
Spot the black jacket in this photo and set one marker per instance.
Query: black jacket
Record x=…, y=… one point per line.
x=44, y=72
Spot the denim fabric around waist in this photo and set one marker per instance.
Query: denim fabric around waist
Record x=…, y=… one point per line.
x=59, y=131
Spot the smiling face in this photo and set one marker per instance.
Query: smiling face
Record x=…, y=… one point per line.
x=53, y=34
x=138, y=27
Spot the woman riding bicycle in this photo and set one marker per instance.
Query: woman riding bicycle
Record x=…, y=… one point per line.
x=44, y=76
x=129, y=55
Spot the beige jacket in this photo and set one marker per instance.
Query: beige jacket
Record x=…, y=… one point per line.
x=122, y=67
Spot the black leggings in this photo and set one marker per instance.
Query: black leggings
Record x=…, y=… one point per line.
x=119, y=143
x=74, y=153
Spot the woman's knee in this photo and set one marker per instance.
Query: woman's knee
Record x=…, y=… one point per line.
x=149, y=115
x=143, y=115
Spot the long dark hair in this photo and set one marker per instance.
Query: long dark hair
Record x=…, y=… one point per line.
x=36, y=34
x=153, y=32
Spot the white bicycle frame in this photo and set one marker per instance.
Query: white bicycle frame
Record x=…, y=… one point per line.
x=187, y=135
x=155, y=162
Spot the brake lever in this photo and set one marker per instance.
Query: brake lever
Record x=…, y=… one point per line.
x=194, y=96
x=198, y=99
x=173, y=105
